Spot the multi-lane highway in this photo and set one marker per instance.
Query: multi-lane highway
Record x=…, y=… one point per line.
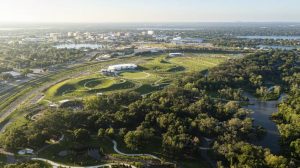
x=31, y=91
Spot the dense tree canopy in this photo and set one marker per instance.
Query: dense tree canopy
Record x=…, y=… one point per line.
x=198, y=106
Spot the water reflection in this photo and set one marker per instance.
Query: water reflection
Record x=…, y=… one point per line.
x=271, y=37
x=262, y=113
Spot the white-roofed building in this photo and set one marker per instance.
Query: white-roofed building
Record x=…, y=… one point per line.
x=25, y=151
x=176, y=54
x=150, y=32
x=14, y=74
x=120, y=67
x=114, y=69
x=179, y=40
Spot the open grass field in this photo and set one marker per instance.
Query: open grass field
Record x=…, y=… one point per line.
x=154, y=73
x=135, y=75
x=158, y=64
x=198, y=62
x=86, y=86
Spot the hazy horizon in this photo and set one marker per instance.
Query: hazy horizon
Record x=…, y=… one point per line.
x=148, y=11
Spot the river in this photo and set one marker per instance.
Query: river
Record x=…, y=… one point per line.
x=278, y=47
x=262, y=113
x=271, y=37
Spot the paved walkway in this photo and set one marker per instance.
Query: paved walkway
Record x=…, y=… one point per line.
x=125, y=154
x=10, y=157
x=204, y=152
x=134, y=155
x=56, y=165
x=48, y=145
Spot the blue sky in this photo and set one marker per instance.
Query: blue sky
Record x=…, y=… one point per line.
x=149, y=10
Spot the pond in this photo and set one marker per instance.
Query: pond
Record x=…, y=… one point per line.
x=78, y=46
x=271, y=37
x=262, y=113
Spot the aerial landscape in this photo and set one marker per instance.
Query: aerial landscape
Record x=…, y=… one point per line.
x=149, y=84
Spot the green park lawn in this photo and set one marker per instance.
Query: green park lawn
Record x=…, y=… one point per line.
x=86, y=86
x=198, y=62
x=153, y=71
x=158, y=64
x=135, y=75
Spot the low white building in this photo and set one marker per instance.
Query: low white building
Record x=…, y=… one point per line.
x=25, y=151
x=120, y=67
x=150, y=32
x=70, y=34
x=114, y=69
x=179, y=40
x=176, y=54
x=55, y=36
x=37, y=71
x=103, y=57
x=14, y=74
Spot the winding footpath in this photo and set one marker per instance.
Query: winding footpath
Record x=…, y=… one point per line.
x=115, y=147
x=204, y=152
x=125, y=154
x=11, y=159
x=56, y=165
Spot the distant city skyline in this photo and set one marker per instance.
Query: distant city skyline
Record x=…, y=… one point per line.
x=101, y=11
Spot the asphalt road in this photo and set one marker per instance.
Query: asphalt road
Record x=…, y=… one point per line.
x=35, y=88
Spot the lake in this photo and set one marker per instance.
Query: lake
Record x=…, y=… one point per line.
x=278, y=47
x=262, y=113
x=271, y=37
x=78, y=46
